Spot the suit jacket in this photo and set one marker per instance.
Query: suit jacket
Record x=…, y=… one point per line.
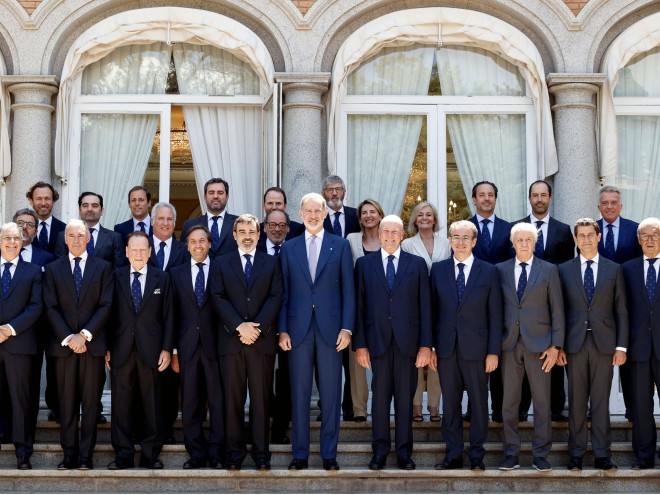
x=402, y=314
x=22, y=308
x=500, y=245
x=607, y=315
x=539, y=316
x=330, y=298
x=109, y=247
x=56, y=226
x=179, y=254
x=627, y=246
x=127, y=227
x=227, y=241
x=351, y=223
x=473, y=326
x=559, y=246
x=644, y=315
x=235, y=301
x=67, y=315
x=295, y=229
x=152, y=328
x=40, y=257
x=193, y=325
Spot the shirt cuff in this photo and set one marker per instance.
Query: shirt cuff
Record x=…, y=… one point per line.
x=350, y=332
x=65, y=342
x=87, y=334
x=13, y=332
x=174, y=351
x=621, y=349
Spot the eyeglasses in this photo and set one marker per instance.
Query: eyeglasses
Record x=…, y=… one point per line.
x=12, y=239
x=646, y=237
x=275, y=225
x=334, y=189
x=605, y=204
x=458, y=238
x=29, y=225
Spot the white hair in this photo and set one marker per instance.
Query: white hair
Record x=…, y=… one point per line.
x=313, y=197
x=463, y=224
x=154, y=210
x=391, y=219
x=76, y=223
x=524, y=227
x=648, y=222
x=10, y=226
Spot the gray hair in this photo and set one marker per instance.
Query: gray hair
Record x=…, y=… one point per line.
x=331, y=179
x=26, y=211
x=76, y=223
x=10, y=226
x=246, y=218
x=607, y=188
x=648, y=222
x=412, y=223
x=524, y=227
x=313, y=197
x=391, y=219
x=463, y=224
x=154, y=210
x=286, y=215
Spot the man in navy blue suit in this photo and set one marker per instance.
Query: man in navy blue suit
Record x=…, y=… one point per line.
x=139, y=201
x=275, y=200
x=315, y=323
x=641, y=275
x=392, y=333
x=27, y=220
x=467, y=318
x=42, y=197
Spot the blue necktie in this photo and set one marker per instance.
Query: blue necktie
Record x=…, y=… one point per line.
x=539, y=250
x=522, y=281
x=90, y=244
x=589, y=281
x=199, y=285
x=136, y=292
x=277, y=251
x=77, y=276
x=215, y=234
x=460, y=281
x=389, y=273
x=486, y=233
x=336, y=225
x=160, y=255
x=248, y=268
x=43, y=237
x=6, y=280
x=609, y=242
x=142, y=226
x=651, y=280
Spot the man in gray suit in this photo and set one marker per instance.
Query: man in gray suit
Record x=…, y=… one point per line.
x=596, y=341
x=532, y=338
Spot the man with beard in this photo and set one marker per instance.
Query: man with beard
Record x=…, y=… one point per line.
x=139, y=201
x=27, y=220
x=275, y=200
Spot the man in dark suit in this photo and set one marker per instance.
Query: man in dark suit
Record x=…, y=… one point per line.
x=315, y=323
x=392, y=333
x=596, y=340
x=275, y=200
x=139, y=201
x=196, y=354
x=20, y=308
x=247, y=296
x=140, y=342
x=533, y=336
x=219, y=222
x=78, y=301
x=42, y=197
x=27, y=221
x=641, y=276
x=467, y=319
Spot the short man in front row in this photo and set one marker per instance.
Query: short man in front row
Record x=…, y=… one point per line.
x=78, y=301
x=596, y=340
x=532, y=338
x=392, y=333
x=315, y=323
x=467, y=302
x=140, y=341
x=246, y=287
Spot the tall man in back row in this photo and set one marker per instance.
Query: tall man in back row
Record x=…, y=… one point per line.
x=139, y=201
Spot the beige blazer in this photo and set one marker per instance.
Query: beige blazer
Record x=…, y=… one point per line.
x=441, y=248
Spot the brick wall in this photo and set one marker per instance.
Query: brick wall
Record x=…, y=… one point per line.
x=575, y=5
x=29, y=5
x=303, y=5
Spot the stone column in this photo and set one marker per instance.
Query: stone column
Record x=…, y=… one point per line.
x=302, y=125
x=31, y=146
x=578, y=179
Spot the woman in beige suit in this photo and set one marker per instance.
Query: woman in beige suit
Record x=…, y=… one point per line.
x=426, y=243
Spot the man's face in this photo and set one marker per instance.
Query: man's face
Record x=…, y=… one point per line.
x=485, y=200
x=198, y=245
x=587, y=240
x=540, y=199
x=10, y=243
x=42, y=202
x=246, y=235
x=390, y=235
x=76, y=238
x=334, y=195
x=276, y=228
x=462, y=243
x=650, y=246
x=216, y=198
x=163, y=223
x=28, y=228
x=312, y=215
x=523, y=243
x=139, y=204
x=90, y=210
x=138, y=252
x=274, y=201
x=610, y=206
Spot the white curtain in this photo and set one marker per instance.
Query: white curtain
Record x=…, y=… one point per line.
x=486, y=147
x=381, y=148
x=115, y=148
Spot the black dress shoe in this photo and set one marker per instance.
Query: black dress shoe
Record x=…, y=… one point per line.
x=467, y=417
x=194, y=463
x=643, y=464
x=477, y=464
x=448, y=463
x=170, y=440
x=86, y=464
x=522, y=417
x=53, y=417
x=628, y=415
x=360, y=419
x=216, y=463
x=151, y=464
x=405, y=463
x=560, y=417
x=319, y=417
x=234, y=465
x=67, y=463
x=262, y=464
x=23, y=463
x=280, y=440
x=120, y=464
x=349, y=416
x=377, y=462
x=604, y=463
x=497, y=417
x=298, y=464
x=330, y=465
x=575, y=464
x=101, y=419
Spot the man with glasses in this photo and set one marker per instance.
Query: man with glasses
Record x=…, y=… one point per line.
x=275, y=200
x=27, y=221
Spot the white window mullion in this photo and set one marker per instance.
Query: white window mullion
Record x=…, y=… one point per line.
x=164, y=179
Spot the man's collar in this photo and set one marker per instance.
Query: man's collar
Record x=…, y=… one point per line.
x=615, y=223
x=157, y=241
x=143, y=271
x=243, y=253
x=331, y=212
x=319, y=234
x=467, y=262
x=269, y=244
x=83, y=256
x=534, y=218
x=480, y=218
x=529, y=261
x=210, y=215
x=13, y=262
x=583, y=260
x=206, y=261
x=146, y=221
x=384, y=254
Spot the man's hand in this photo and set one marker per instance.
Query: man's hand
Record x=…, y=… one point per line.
x=561, y=358
x=5, y=333
x=285, y=341
x=343, y=339
x=163, y=360
x=433, y=364
x=363, y=357
x=491, y=362
x=423, y=357
x=248, y=332
x=619, y=358
x=77, y=343
x=107, y=359
x=550, y=356
x=175, y=363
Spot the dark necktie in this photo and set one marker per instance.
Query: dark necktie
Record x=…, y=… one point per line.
x=248, y=268
x=20, y=255
x=390, y=273
x=460, y=281
x=160, y=255
x=539, y=250
x=142, y=226
x=651, y=280
x=215, y=233
x=522, y=281
x=589, y=281
x=43, y=237
x=136, y=292
x=277, y=251
x=199, y=285
x=77, y=276
x=609, y=242
x=336, y=225
x=486, y=234
x=6, y=280
x=90, y=244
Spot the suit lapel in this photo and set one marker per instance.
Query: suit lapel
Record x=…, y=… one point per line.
x=451, y=275
x=404, y=260
x=327, y=247
x=474, y=275
x=90, y=270
x=552, y=237
x=149, y=286
x=256, y=266
x=531, y=278
x=226, y=228
x=101, y=240
x=603, y=270
x=18, y=275
x=237, y=266
x=576, y=273
x=125, y=283
x=300, y=252
x=510, y=276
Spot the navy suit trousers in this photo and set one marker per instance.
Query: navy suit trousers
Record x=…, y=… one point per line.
x=644, y=375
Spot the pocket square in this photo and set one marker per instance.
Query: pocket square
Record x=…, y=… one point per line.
x=157, y=291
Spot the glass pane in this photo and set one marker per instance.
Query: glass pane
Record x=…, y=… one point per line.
x=641, y=77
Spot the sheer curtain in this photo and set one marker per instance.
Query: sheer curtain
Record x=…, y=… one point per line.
x=381, y=148
x=115, y=148
x=486, y=147
x=225, y=141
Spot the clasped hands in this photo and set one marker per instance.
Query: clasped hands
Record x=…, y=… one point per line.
x=5, y=333
x=77, y=343
x=248, y=332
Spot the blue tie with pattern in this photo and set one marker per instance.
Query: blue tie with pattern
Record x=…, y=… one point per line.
x=486, y=234
x=390, y=273
x=215, y=234
x=248, y=268
x=336, y=225
x=77, y=276
x=277, y=251
x=136, y=292
x=651, y=280
x=522, y=281
x=43, y=237
x=539, y=249
x=589, y=281
x=142, y=226
x=90, y=244
x=160, y=255
x=460, y=281
x=6, y=280
x=199, y=285
x=609, y=242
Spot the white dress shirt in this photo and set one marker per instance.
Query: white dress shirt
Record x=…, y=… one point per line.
x=466, y=269
x=397, y=254
x=594, y=267
x=12, y=270
x=342, y=219
x=95, y=234
x=167, y=247
x=615, y=231
x=270, y=247
x=491, y=224
x=646, y=268
x=319, y=241
x=83, y=261
x=49, y=222
x=544, y=227
x=146, y=221
x=142, y=278
x=517, y=271
x=26, y=254
x=209, y=220
x=194, y=270
x=242, y=254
